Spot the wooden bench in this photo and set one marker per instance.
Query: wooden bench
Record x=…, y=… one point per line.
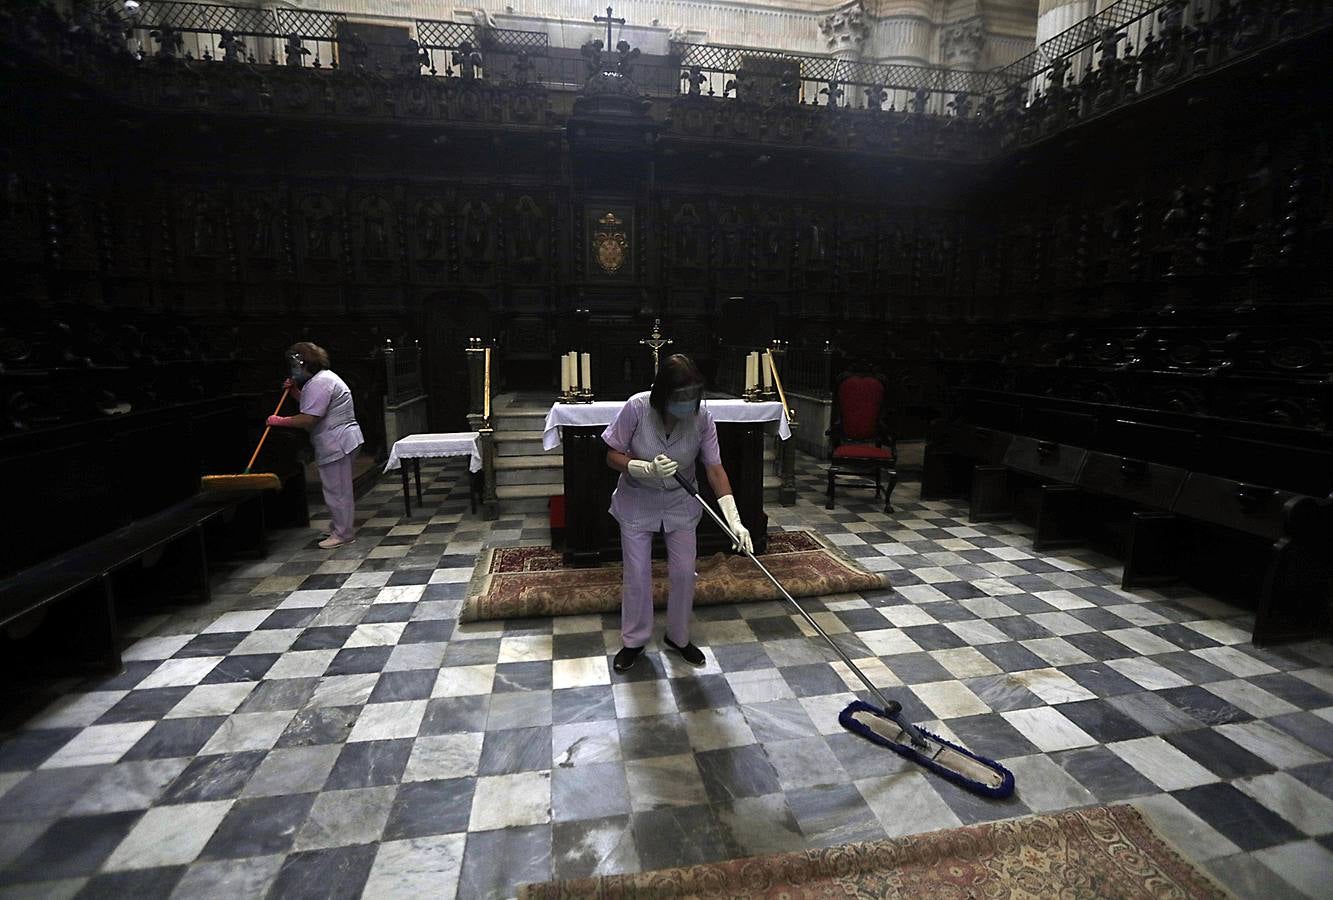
x=1237, y=508
x=68, y=601
x=112, y=508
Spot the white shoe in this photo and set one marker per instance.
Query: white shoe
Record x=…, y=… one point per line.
x=330, y=542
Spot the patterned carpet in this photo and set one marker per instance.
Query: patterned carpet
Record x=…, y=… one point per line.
x=325, y=726
x=526, y=582
x=1098, y=853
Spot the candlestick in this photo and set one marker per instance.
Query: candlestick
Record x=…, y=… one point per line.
x=564, y=375
x=766, y=363
x=586, y=382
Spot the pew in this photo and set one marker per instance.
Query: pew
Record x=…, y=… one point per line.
x=1238, y=508
x=110, y=509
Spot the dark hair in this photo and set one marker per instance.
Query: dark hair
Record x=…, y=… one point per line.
x=314, y=356
x=677, y=371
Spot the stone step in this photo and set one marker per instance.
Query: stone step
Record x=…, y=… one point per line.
x=528, y=499
x=529, y=470
x=521, y=420
x=524, y=443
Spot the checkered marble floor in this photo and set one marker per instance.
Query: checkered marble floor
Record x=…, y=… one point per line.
x=325, y=727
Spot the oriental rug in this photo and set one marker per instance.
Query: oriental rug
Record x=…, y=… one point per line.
x=1098, y=852
x=522, y=582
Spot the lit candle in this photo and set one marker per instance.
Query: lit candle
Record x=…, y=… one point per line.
x=587, y=372
x=564, y=374
x=766, y=361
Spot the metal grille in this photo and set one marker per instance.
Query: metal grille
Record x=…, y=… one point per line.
x=312, y=25
x=434, y=34
x=1077, y=37
x=206, y=18
x=715, y=58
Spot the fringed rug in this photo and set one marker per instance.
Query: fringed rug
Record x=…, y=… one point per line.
x=1099, y=852
x=520, y=582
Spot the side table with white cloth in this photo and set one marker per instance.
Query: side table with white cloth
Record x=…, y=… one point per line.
x=592, y=536
x=408, y=453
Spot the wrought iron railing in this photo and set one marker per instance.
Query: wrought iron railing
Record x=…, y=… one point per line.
x=1143, y=44
x=1080, y=36
x=315, y=39
x=1139, y=47
x=771, y=75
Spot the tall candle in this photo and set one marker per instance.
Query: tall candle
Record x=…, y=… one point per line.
x=587, y=372
x=752, y=371
x=564, y=374
x=766, y=362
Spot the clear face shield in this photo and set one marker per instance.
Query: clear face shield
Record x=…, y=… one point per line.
x=684, y=402
x=296, y=368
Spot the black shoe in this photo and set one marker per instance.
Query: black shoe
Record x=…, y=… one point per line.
x=690, y=653
x=626, y=658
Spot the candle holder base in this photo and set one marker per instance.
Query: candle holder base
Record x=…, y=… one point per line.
x=575, y=396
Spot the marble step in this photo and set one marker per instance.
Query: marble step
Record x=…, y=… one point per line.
x=530, y=499
x=511, y=420
x=529, y=470
x=524, y=443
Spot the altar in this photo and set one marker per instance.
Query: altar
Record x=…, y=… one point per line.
x=592, y=536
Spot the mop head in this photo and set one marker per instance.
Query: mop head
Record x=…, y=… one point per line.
x=964, y=768
x=259, y=481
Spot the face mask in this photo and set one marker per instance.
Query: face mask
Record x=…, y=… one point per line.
x=681, y=409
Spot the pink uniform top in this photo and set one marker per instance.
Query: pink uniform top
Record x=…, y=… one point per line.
x=337, y=433
x=650, y=504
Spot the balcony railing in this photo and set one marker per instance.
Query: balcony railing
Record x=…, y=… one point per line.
x=1131, y=49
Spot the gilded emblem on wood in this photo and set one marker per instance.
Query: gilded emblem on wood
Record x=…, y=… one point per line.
x=610, y=243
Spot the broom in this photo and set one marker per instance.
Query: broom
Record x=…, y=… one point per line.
x=247, y=481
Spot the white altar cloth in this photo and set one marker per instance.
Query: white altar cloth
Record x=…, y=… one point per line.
x=603, y=411
x=431, y=446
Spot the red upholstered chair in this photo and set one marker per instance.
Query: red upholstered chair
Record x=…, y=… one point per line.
x=862, y=446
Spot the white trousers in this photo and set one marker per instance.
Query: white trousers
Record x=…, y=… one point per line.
x=336, y=479
x=636, y=609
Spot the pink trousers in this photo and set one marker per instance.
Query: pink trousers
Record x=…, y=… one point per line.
x=336, y=479
x=636, y=610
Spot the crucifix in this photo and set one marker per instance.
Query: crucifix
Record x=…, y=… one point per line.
x=609, y=20
x=655, y=343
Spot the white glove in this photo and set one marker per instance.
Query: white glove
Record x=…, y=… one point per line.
x=739, y=532
x=662, y=466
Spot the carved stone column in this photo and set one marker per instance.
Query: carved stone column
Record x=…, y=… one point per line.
x=961, y=44
x=845, y=31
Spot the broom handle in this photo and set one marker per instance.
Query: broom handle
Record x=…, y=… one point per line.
x=890, y=707
x=263, y=436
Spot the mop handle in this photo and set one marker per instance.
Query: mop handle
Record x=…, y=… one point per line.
x=890, y=707
x=264, y=436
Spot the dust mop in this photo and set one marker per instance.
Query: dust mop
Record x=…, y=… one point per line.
x=247, y=480
x=885, y=725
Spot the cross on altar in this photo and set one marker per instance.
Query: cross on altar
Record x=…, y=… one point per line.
x=609, y=20
x=655, y=342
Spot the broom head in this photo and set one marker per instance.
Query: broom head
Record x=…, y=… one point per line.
x=258, y=481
